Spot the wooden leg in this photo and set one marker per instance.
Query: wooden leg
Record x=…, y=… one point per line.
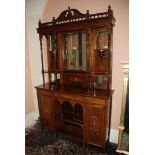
x=109, y=120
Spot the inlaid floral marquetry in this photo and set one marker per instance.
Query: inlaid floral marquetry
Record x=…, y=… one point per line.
x=94, y=126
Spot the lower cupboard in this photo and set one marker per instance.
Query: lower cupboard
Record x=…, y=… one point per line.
x=76, y=115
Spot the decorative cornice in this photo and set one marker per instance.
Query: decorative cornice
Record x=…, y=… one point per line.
x=73, y=15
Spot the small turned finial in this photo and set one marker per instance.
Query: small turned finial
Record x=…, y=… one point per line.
x=110, y=12
x=69, y=8
x=53, y=19
x=87, y=12
x=109, y=8
x=39, y=23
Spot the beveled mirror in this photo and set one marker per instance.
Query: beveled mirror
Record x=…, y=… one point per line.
x=101, y=37
x=74, y=51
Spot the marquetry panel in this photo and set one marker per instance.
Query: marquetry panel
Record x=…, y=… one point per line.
x=75, y=79
x=95, y=125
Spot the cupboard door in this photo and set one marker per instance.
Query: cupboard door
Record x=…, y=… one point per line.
x=95, y=125
x=45, y=106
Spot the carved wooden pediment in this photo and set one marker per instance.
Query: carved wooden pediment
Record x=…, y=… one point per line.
x=70, y=14
x=73, y=15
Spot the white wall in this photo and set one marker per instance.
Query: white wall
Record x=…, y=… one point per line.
x=34, y=11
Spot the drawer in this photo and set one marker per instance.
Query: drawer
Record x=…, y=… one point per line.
x=95, y=100
x=69, y=97
x=44, y=92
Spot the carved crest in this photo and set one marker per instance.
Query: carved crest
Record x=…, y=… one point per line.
x=73, y=15
x=70, y=13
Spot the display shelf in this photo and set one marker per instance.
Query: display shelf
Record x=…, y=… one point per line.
x=73, y=122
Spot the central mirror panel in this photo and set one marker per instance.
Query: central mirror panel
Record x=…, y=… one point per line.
x=74, y=51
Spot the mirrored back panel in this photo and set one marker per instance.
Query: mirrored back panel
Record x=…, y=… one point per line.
x=74, y=51
x=101, y=40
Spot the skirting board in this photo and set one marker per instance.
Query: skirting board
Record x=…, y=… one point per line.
x=114, y=136
x=31, y=118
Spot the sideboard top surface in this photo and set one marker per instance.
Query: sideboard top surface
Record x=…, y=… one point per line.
x=78, y=91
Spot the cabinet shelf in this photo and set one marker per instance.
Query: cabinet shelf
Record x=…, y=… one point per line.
x=73, y=122
x=71, y=130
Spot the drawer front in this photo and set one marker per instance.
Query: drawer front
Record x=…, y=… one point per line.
x=69, y=97
x=95, y=100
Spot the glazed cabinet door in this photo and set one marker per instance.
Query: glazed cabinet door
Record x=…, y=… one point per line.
x=95, y=125
x=45, y=109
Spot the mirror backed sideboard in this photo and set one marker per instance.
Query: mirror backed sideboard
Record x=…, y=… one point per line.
x=75, y=98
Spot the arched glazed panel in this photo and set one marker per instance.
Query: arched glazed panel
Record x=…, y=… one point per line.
x=78, y=111
x=67, y=110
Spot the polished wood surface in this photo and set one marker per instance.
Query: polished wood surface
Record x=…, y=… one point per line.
x=92, y=127
x=76, y=99
x=75, y=90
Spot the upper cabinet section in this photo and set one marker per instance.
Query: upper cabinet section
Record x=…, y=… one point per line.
x=77, y=51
